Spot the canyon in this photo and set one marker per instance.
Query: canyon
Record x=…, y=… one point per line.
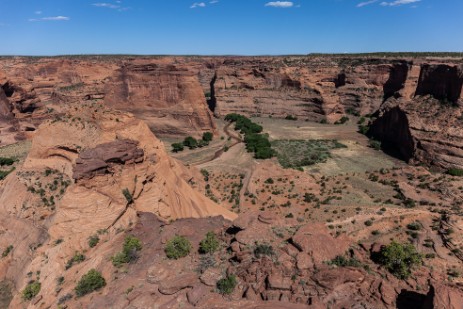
x=88, y=170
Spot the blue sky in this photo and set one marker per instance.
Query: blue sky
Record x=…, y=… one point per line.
x=240, y=27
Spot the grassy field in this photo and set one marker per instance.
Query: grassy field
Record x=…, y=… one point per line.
x=300, y=153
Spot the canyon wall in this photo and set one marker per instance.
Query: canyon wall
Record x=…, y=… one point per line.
x=426, y=128
x=414, y=99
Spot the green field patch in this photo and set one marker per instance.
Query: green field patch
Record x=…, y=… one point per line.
x=300, y=153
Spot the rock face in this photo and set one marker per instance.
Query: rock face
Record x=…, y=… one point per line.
x=425, y=128
x=443, y=82
x=169, y=98
x=97, y=160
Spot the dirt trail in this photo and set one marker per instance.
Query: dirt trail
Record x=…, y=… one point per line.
x=237, y=139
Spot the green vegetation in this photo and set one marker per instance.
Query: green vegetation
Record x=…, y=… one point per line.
x=127, y=195
x=299, y=153
x=209, y=244
x=291, y=117
x=76, y=259
x=31, y=290
x=376, y=145
x=227, y=285
x=177, y=147
x=342, y=261
x=414, y=226
x=7, y=161
x=255, y=142
x=91, y=281
x=93, y=241
x=7, y=251
x=399, y=259
x=129, y=253
x=455, y=172
x=207, y=136
x=190, y=142
x=177, y=247
x=3, y=174
x=363, y=129
x=263, y=249
x=343, y=120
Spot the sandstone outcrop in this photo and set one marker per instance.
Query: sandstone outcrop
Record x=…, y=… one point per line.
x=425, y=128
x=97, y=160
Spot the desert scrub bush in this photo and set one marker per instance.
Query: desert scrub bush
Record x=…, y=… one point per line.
x=91, y=281
x=342, y=261
x=291, y=117
x=31, y=290
x=376, y=145
x=368, y=223
x=205, y=262
x=399, y=259
x=209, y=244
x=7, y=251
x=414, y=226
x=129, y=253
x=177, y=247
x=300, y=153
x=227, y=285
x=93, y=241
x=455, y=172
x=343, y=120
x=263, y=249
x=128, y=196
x=76, y=259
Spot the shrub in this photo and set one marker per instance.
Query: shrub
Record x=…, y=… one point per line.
x=93, y=241
x=177, y=147
x=127, y=195
x=376, y=145
x=263, y=249
x=91, y=281
x=414, y=226
x=226, y=285
x=210, y=244
x=129, y=252
x=269, y=181
x=342, y=261
x=31, y=290
x=399, y=259
x=207, y=136
x=76, y=259
x=368, y=223
x=177, y=247
x=291, y=117
x=363, y=129
x=343, y=120
x=455, y=172
x=7, y=251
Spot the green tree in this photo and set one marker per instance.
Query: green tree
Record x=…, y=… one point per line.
x=177, y=147
x=190, y=142
x=399, y=259
x=207, y=136
x=91, y=281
